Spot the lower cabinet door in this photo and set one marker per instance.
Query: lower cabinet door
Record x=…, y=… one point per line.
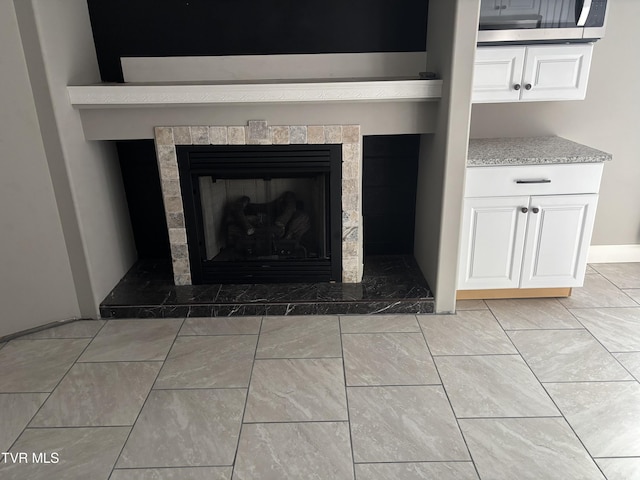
x=493, y=231
x=557, y=240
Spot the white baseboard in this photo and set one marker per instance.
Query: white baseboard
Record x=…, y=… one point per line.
x=613, y=253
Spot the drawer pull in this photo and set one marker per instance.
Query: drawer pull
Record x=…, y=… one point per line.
x=540, y=180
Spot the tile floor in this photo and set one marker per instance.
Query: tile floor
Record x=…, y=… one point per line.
x=506, y=389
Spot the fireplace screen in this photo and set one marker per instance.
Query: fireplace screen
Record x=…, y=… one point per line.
x=261, y=214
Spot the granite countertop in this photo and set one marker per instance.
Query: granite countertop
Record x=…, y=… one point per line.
x=530, y=151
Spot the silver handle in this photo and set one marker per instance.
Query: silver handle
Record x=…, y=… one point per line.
x=581, y=19
x=539, y=180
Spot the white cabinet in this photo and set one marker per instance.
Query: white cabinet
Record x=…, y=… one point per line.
x=536, y=239
x=531, y=73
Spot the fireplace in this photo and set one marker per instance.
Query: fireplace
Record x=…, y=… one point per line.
x=262, y=213
x=262, y=204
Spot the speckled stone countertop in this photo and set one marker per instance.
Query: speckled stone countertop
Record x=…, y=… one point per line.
x=530, y=151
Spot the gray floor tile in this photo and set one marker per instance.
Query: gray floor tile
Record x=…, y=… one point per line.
x=620, y=468
x=403, y=424
x=16, y=411
x=606, y=415
x=221, y=326
x=590, y=270
x=597, y=292
x=388, y=359
x=299, y=337
x=567, y=356
x=416, y=471
x=132, y=340
x=275, y=451
x=493, y=386
x=99, y=394
x=77, y=329
x=293, y=390
x=634, y=293
x=471, y=305
x=83, y=453
x=532, y=313
x=37, y=365
x=622, y=275
x=209, y=362
x=527, y=449
x=630, y=361
x=189, y=473
x=618, y=329
x=378, y=323
x=466, y=333
x=182, y=428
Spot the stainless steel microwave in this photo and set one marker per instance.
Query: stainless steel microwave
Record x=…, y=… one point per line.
x=541, y=20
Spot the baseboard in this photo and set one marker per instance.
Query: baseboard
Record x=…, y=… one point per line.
x=613, y=253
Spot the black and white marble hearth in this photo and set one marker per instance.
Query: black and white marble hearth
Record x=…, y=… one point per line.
x=390, y=284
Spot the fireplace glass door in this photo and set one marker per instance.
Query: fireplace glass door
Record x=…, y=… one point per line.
x=260, y=214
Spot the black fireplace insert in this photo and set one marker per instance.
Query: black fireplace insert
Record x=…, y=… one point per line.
x=262, y=213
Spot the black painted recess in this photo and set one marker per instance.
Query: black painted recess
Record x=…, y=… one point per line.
x=125, y=28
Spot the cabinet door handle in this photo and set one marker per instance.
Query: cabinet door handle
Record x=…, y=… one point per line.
x=524, y=209
x=517, y=86
x=535, y=209
x=539, y=180
x=528, y=86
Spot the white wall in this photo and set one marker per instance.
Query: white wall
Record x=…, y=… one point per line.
x=59, y=49
x=609, y=119
x=36, y=284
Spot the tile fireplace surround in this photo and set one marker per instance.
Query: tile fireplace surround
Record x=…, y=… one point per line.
x=258, y=132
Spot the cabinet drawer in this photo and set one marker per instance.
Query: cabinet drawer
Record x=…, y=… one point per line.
x=557, y=179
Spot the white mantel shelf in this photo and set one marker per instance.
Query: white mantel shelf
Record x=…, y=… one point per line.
x=141, y=95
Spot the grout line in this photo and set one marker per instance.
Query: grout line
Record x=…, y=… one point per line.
x=346, y=399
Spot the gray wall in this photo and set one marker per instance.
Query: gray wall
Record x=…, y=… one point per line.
x=452, y=26
x=609, y=119
x=36, y=284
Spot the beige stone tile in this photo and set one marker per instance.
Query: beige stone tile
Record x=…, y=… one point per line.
x=299, y=337
x=466, y=333
x=279, y=135
x=297, y=390
x=131, y=340
x=276, y=451
x=16, y=410
x=403, y=424
x=182, y=135
x=378, y=323
x=333, y=133
x=605, y=415
x=351, y=133
x=37, y=365
x=527, y=449
x=77, y=329
x=182, y=428
x=218, y=135
x=416, y=471
x=622, y=275
x=493, y=386
x=208, y=362
x=83, y=453
x=164, y=135
x=221, y=326
x=534, y=313
x=298, y=134
x=597, y=292
x=618, y=329
x=388, y=359
x=236, y=136
x=200, y=135
x=567, y=356
x=315, y=134
x=99, y=394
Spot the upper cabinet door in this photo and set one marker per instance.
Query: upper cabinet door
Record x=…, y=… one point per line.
x=497, y=74
x=556, y=72
x=558, y=235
